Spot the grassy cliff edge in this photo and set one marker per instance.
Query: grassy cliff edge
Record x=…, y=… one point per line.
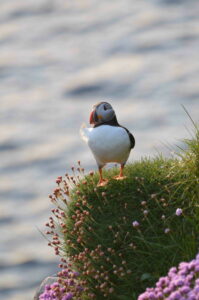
x=122, y=237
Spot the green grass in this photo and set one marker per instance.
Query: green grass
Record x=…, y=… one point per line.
x=116, y=260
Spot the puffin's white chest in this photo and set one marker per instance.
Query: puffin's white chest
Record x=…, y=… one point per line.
x=108, y=143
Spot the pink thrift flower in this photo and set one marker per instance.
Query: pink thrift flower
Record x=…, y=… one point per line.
x=135, y=224
x=178, y=212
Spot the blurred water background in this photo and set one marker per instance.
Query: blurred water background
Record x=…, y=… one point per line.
x=57, y=59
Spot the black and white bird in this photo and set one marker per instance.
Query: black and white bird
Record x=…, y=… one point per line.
x=107, y=139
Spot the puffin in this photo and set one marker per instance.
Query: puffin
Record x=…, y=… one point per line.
x=109, y=141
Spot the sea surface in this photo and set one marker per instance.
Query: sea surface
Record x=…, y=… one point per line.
x=57, y=59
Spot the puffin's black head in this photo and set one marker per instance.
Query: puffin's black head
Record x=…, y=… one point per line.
x=102, y=113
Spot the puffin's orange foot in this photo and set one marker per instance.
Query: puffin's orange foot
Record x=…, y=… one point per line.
x=119, y=177
x=102, y=182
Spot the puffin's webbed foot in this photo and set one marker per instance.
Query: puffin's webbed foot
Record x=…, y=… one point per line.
x=121, y=175
x=102, y=182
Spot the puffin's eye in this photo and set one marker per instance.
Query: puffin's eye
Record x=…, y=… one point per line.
x=105, y=107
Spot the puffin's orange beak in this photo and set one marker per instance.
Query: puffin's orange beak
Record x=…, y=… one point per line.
x=92, y=118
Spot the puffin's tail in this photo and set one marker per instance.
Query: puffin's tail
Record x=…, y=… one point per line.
x=84, y=132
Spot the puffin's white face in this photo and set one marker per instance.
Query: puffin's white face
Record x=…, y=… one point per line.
x=102, y=112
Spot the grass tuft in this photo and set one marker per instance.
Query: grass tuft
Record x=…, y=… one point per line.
x=122, y=237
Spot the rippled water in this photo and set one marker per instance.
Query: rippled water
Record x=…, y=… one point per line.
x=57, y=59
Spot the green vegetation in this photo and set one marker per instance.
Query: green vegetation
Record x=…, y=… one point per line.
x=122, y=237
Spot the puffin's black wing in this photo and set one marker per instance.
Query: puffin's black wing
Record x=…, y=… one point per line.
x=131, y=137
x=132, y=140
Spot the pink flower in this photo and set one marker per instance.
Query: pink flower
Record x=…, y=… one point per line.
x=178, y=212
x=136, y=224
